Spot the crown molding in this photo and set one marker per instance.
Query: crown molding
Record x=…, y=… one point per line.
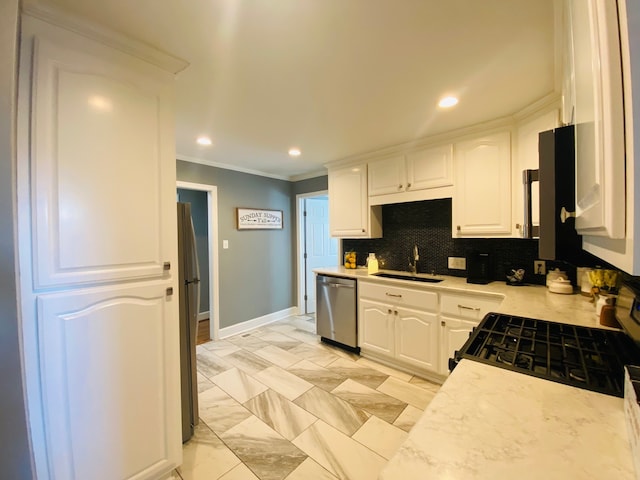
x=100, y=33
x=307, y=176
x=227, y=166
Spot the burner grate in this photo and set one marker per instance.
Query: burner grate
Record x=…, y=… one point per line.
x=584, y=357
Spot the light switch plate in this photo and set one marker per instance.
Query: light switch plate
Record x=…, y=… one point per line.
x=457, y=263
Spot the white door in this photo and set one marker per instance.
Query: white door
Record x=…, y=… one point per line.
x=96, y=186
x=321, y=250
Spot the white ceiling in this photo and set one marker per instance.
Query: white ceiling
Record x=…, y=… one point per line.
x=336, y=77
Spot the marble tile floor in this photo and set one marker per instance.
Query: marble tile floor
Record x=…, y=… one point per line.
x=277, y=404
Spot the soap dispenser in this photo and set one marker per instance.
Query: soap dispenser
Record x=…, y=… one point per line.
x=372, y=263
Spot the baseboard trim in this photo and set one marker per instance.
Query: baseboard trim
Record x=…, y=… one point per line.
x=257, y=322
x=203, y=316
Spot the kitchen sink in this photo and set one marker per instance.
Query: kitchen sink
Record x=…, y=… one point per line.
x=413, y=278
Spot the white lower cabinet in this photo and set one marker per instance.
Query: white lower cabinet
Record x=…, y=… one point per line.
x=376, y=327
x=417, y=337
x=454, y=333
x=399, y=325
x=417, y=329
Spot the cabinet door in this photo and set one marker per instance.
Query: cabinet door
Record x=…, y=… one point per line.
x=95, y=430
x=600, y=182
x=99, y=169
x=387, y=176
x=376, y=327
x=348, y=201
x=430, y=168
x=454, y=333
x=417, y=338
x=482, y=199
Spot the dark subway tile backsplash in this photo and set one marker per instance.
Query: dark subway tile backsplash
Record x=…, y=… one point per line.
x=427, y=224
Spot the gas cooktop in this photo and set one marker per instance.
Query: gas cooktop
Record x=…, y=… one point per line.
x=590, y=358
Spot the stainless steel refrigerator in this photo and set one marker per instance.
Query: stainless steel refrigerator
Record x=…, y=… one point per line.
x=189, y=294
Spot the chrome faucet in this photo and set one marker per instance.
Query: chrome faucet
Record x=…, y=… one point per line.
x=414, y=262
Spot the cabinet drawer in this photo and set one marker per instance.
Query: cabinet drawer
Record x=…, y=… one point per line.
x=400, y=296
x=473, y=307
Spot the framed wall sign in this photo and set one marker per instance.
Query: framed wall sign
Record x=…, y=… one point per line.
x=258, y=219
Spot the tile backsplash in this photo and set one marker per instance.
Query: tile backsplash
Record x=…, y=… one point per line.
x=427, y=224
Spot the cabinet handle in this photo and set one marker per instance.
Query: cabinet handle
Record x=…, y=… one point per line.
x=443, y=323
x=363, y=230
x=400, y=187
x=389, y=311
x=464, y=307
x=458, y=228
x=169, y=291
x=166, y=266
x=408, y=185
x=395, y=312
x=397, y=295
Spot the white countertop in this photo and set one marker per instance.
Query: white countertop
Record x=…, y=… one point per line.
x=533, y=301
x=490, y=423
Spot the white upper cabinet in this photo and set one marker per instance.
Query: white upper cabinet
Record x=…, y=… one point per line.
x=349, y=213
x=526, y=158
x=411, y=176
x=482, y=199
x=599, y=118
x=387, y=176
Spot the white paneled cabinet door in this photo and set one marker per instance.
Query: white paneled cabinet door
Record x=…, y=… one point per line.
x=376, y=327
x=417, y=338
x=387, y=176
x=599, y=119
x=348, y=202
x=96, y=187
x=430, y=168
x=454, y=333
x=106, y=410
x=482, y=199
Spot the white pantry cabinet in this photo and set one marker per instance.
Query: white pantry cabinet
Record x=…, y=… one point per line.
x=412, y=175
x=482, y=187
x=97, y=230
x=349, y=213
x=598, y=116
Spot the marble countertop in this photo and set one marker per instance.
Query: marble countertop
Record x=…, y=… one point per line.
x=534, y=301
x=491, y=423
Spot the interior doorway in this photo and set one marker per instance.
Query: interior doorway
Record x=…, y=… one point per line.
x=316, y=248
x=212, y=253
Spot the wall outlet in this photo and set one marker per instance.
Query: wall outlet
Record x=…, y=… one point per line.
x=457, y=263
x=540, y=267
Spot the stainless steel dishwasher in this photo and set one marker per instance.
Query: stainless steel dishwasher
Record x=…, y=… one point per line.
x=336, y=311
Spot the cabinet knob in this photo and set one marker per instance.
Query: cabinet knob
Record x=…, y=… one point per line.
x=395, y=312
x=166, y=266
x=408, y=185
x=518, y=226
x=169, y=291
x=443, y=323
x=400, y=187
x=363, y=230
x=458, y=228
x=389, y=311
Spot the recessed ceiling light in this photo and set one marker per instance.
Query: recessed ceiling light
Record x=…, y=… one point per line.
x=204, y=141
x=447, y=102
x=294, y=152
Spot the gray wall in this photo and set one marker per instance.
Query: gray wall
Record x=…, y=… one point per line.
x=199, y=214
x=255, y=272
x=316, y=184
x=15, y=456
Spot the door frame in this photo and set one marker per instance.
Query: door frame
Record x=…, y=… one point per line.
x=300, y=197
x=212, y=232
